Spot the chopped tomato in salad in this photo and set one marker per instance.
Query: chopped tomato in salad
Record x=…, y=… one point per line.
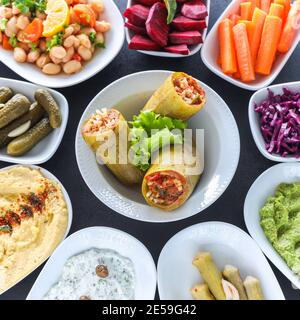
x=85, y=15
x=34, y=30
x=165, y=187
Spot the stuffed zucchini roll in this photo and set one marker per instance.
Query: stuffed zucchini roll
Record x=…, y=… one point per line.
x=168, y=185
x=179, y=97
x=97, y=130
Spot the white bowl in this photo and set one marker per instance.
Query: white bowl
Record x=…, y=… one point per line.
x=101, y=238
x=210, y=53
x=222, y=150
x=50, y=176
x=259, y=97
x=264, y=187
x=102, y=57
x=228, y=245
x=46, y=148
x=193, y=49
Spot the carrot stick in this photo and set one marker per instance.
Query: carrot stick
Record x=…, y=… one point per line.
x=235, y=18
x=258, y=20
x=277, y=10
x=227, y=49
x=268, y=46
x=250, y=29
x=265, y=5
x=254, y=4
x=246, y=10
x=243, y=52
x=289, y=29
x=287, y=6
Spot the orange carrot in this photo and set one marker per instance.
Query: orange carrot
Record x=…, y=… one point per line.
x=235, y=18
x=5, y=43
x=254, y=4
x=268, y=46
x=237, y=75
x=250, y=29
x=265, y=5
x=289, y=29
x=243, y=52
x=277, y=10
x=258, y=20
x=246, y=10
x=287, y=6
x=227, y=50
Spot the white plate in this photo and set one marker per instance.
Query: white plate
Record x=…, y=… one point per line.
x=228, y=245
x=50, y=176
x=264, y=187
x=101, y=238
x=210, y=53
x=259, y=97
x=46, y=148
x=193, y=49
x=222, y=150
x=102, y=57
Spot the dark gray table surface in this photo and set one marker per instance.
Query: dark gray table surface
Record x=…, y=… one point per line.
x=88, y=211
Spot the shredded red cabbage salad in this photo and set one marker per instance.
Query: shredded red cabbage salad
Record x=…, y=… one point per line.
x=280, y=122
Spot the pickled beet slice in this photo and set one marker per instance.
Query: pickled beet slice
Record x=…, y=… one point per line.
x=156, y=24
x=186, y=37
x=139, y=42
x=137, y=14
x=135, y=29
x=194, y=9
x=148, y=3
x=179, y=49
x=183, y=23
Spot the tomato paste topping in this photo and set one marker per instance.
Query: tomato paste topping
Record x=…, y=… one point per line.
x=189, y=90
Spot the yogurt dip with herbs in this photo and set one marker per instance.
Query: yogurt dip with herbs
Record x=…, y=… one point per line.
x=95, y=274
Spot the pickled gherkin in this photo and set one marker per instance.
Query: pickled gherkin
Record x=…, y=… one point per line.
x=5, y=94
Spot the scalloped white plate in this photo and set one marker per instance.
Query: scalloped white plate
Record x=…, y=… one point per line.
x=102, y=238
x=50, y=176
x=101, y=58
x=228, y=245
x=222, y=150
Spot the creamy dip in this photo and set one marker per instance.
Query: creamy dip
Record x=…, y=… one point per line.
x=96, y=274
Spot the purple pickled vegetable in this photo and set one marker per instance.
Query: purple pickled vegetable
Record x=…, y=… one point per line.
x=280, y=122
x=194, y=9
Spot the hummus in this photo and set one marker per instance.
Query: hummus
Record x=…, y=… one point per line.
x=33, y=220
x=280, y=220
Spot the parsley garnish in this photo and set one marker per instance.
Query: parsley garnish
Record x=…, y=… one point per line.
x=13, y=41
x=92, y=37
x=3, y=23
x=56, y=40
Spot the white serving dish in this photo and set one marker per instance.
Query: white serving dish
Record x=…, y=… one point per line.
x=228, y=245
x=50, y=176
x=259, y=97
x=210, y=51
x=46, y=148
x=193, y=49
x=264, y=187
x=102, y=238
x=102, y=57
x=222, y=150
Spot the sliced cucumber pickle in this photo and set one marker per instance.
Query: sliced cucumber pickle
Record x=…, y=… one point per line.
x=13, y=109
x=45, y=99
x=5, y=94
x=29, y=139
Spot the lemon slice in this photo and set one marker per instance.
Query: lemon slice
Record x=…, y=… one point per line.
x=58, y=15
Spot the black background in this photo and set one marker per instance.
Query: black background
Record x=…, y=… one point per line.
x=88, y=211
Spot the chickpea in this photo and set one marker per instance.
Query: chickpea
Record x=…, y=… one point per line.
x=5, y=12
x=97, y=6
x=33, y=56
x=11, y=27
x=68, y=31
x=22, y=22
x=69, y=55
x=84, y=40
x=42, y=60
x=58, y=52
x=85, y=53
x=72, y=66
x=102, y=26
x=55, y=60
x=15, y=10
x=69, y=42
x=20, y=55
x=100, y=37
x=76, y=27
x=43, y=45
x=87, y=31
x=51, y=68
x=24, y=46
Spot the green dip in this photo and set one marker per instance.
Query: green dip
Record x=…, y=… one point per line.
x=280, y=220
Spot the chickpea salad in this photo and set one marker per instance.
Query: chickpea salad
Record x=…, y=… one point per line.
x=55, y=35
